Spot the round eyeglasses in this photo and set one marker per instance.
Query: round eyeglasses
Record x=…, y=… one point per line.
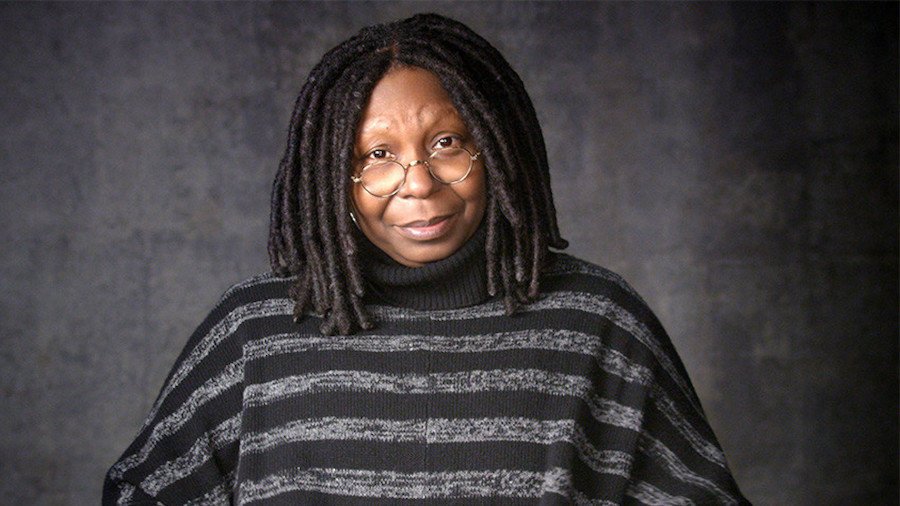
x=446, y=165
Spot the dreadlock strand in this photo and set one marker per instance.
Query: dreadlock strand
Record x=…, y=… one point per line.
x=509, y=295
x=355, y=99
x=276, y=237
x=524, y=115
x=312, y=151
x=281, y=241
x=336, y=319
x=362, y=314
x=308, y=237
x=538, y=251
x=339, y=137
x=492, y=246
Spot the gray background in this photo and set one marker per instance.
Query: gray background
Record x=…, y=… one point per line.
x=738, y=163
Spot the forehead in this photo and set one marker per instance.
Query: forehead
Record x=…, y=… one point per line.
x=404, y=97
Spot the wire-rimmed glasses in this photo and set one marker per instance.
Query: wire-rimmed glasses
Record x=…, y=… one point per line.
x=384, y=178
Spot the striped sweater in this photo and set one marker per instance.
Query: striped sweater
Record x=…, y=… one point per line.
x=578, y=398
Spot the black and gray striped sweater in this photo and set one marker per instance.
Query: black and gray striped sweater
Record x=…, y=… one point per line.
x=579, y=398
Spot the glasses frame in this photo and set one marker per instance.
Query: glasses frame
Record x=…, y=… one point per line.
x=472, y=159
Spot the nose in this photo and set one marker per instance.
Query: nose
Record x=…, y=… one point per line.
x=419, y=183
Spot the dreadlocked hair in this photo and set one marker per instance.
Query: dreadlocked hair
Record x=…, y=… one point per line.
x=310, y=232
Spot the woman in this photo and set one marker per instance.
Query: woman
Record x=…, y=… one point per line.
x=417, y=340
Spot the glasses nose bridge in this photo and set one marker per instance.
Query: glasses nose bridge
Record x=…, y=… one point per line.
x=414, y=163
x=416, y=154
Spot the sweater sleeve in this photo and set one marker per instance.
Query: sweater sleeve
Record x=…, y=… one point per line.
x=678, y=459
x=187, y=450
x=650, y=409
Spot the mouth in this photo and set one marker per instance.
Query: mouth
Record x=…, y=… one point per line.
x=425, y=223
x=424, y=230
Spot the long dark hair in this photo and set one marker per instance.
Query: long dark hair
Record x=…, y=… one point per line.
x=310, y=233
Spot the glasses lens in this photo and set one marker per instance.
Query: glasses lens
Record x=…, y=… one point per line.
x=382, y=178
x=450, y=165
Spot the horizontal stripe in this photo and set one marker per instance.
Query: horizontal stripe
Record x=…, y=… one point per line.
x=701, y=445
x=580, y=499
x=199, y=453
x=534, y=380
x=213, y=338
x=662, y=455
x=443, y=431
x=218, y=495
x=618, y=364
x=259, y=279
x=619, y=340
x=585, y=302
x=421, y=485
x=624, y=320
x=372, y=429
x=232, y=375
x=613, y=413
x=126, y=492
x=549, y=340
x=552, y=340
x=546, y=339
x=557, y=300
x=566, y=264
x=604, y=410
x=652, y=496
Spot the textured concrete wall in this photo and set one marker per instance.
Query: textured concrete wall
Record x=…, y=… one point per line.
x=738, y=163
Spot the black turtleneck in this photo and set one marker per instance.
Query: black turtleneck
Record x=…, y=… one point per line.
x=456, y=281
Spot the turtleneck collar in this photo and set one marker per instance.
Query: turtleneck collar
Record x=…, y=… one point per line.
x=453, y=282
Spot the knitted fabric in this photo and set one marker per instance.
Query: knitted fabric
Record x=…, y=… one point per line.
x=579, y=398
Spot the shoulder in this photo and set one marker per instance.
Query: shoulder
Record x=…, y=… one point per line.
x=577, y=285
x=215, y=348
x=261, y=298
x=566, y=277
x=597, y=297
x=562, y=264
x=629, y=326
x=261, y=286
x=253, y=297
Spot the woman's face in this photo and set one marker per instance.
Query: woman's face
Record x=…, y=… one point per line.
x=408, y=116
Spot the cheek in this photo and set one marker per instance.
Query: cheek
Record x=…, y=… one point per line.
x=475, y=193
x=368, y=208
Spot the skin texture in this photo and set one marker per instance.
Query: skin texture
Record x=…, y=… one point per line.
x=409, y=114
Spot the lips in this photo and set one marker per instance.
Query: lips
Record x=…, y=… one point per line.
x=427, y=230
x=424, y=223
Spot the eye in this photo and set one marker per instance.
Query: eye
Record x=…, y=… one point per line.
x=378, y=154
x=446, y=142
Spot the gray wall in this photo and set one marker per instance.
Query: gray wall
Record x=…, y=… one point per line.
x=738, y=163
